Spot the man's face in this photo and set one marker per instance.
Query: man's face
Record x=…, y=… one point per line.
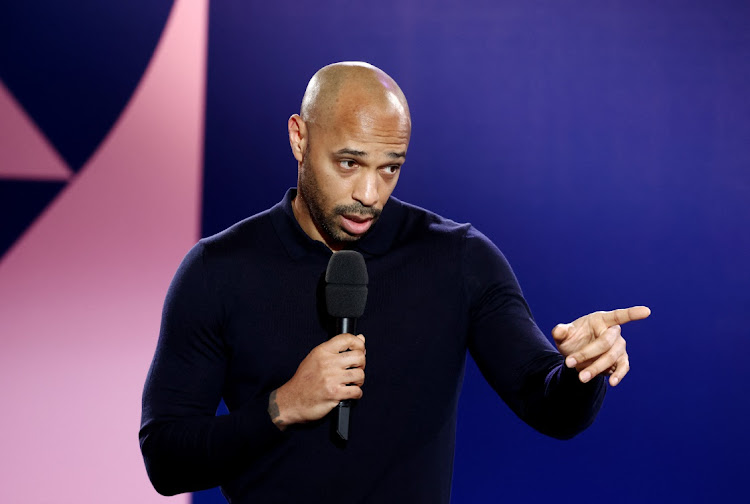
x=349, y=170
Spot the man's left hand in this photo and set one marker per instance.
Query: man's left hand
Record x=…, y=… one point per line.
x=593, y=343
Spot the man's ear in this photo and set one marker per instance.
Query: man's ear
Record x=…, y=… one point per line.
x=297, y=136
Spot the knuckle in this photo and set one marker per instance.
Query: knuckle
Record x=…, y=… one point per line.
x=615, y=340
x=597, y=352
x=331, y=388
x=611, y=363
x=612, y=336
x=622, y=353
x=622, y=368
x=608, y=338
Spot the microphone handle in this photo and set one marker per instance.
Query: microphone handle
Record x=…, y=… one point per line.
x=344, y=325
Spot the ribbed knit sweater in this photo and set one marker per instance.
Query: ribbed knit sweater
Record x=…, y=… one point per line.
x=247, y=305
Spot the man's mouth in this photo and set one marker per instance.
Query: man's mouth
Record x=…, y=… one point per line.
x=356, y=224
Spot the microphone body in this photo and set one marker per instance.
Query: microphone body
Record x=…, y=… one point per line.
x=346, y=296
x=343, y=410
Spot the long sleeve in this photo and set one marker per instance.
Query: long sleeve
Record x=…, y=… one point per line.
x=184, y=445
x=520, y=364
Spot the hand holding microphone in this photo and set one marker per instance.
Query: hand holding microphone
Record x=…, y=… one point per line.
x=333, y=372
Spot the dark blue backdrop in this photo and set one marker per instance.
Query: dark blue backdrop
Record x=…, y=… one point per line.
x=603, y=145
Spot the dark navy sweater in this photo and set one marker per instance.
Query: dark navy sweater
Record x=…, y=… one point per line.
x=246, y=306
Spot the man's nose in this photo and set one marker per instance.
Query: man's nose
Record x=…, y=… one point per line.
x=366, y=188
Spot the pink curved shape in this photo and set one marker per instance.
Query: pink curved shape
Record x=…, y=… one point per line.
x=25, y=153
x=81, y=291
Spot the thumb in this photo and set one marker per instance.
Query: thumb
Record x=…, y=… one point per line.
x=560, y=332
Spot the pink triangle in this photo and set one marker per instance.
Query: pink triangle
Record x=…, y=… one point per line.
x=25, y=151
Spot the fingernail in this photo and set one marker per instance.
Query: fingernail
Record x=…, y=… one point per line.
x=570, y=362
x=614, y=381
x=585, y=376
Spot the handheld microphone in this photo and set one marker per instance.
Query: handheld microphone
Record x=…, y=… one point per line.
x=346, y=296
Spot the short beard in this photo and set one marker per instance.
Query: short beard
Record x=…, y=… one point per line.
x=327, y=223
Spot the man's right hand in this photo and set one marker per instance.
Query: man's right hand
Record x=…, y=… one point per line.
x=331, y=372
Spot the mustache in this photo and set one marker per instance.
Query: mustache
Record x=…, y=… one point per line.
x=357, y=209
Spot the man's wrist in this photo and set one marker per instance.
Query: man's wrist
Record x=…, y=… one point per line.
x=274, y=412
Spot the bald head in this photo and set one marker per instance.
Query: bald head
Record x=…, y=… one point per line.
x=351, y=87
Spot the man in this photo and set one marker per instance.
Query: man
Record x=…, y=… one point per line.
x=242, y=321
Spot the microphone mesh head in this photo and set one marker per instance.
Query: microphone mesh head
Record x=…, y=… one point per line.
x=346, y=284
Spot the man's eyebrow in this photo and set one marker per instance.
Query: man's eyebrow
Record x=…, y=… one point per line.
x=346, y=151
x=351, y=152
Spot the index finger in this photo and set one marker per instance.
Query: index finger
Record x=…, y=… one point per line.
x=624, y=315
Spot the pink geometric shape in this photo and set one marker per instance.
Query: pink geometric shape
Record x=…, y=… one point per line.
x=25, y=153
x=81, y=291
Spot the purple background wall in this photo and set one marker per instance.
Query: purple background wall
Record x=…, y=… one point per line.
x=603, y=145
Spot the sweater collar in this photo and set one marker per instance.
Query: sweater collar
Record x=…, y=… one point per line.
x=298, y=244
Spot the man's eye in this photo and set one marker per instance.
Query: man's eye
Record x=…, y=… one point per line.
x=347, y=164
x=391, y=170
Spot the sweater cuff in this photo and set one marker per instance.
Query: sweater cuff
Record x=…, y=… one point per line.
x=258, y=431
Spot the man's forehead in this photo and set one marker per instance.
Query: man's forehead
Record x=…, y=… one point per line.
x=369, y=120
x=364, y=105
x=370, y=138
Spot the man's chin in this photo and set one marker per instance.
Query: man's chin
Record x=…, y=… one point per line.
x=344, y=238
